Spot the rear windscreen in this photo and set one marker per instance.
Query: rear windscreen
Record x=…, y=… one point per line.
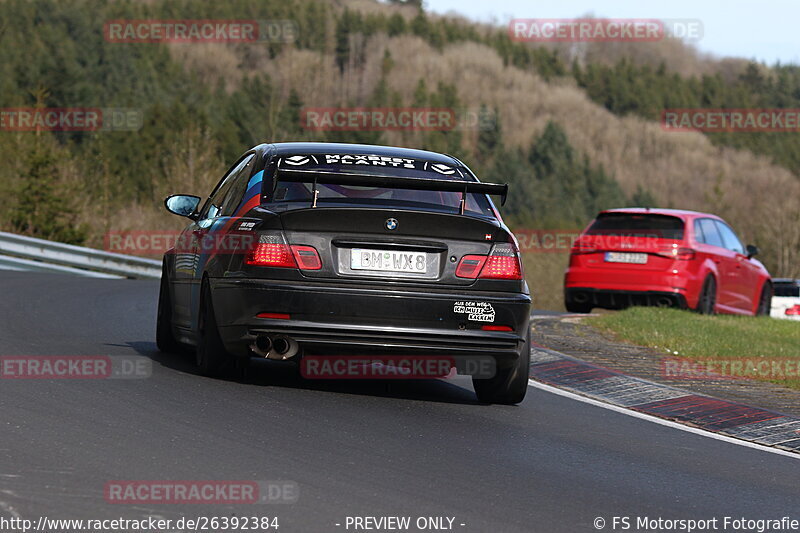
x=637, y=225
x=787, y=289
x=289, y=195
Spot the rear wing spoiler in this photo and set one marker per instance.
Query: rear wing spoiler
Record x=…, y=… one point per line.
x=391, y=182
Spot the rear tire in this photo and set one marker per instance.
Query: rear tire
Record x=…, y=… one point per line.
x=765, y=300
x=211, y=357
x=509, y=384
x=706, y=305
x=165, y=339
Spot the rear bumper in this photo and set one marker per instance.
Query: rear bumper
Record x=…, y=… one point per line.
x=620, y=299
x=326, y=317
x=623, y=279
x=615, y=287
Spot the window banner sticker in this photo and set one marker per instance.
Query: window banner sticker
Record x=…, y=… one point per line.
x=367, y=160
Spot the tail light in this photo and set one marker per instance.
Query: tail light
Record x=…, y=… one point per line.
x=582, y=247
x=793, y=311
x=502, y=263
x=470, y=266
x=307, y=257
x=502, y=267
x=683, y=254
x=275, y=316
x=496, y=328
x=673, y=251
x=272, y=251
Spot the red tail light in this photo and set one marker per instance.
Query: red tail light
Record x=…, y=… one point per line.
x=502, y=263
x=793, y=311
x=272, y=251
x=497, y=328
x=674, y=252
x=470, y=266
x=307, y=257
x=502, y=267
x=271, y=254
x=278, y=316
x=581, y=247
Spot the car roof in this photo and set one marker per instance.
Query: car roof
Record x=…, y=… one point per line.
x=294, y=148
x=684, y=214
x=787, y=281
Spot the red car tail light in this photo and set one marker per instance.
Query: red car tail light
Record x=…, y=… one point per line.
x=470, y=266
x=270, y=252
x=581, y=247
x=277, y=316
x=497, y=328
x=675, y=252
x=793, y=311
x=502, y=267
x=502, y=263
x=307, y=257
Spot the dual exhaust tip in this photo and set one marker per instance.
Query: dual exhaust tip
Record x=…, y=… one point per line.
x=278, y=347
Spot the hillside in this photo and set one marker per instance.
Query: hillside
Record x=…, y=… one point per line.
x=563, y=137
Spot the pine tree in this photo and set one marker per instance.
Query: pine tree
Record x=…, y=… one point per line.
x=490, y=134
x=344, y=27
x=43, y=207
x=396, y=25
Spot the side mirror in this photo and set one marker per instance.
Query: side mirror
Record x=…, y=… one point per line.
x=182, y=204
x=752, y=251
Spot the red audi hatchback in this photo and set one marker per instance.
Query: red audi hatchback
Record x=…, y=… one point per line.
x=665, y=257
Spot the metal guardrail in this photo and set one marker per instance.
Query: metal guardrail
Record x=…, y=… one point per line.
x=78, y=257
x=26, y=265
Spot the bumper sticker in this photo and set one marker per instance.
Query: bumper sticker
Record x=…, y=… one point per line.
x=475, y=311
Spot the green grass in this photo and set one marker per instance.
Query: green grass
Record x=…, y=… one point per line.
x=700, y=338
x=545, y=275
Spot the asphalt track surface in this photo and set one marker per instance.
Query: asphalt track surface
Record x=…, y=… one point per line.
x=405, y=448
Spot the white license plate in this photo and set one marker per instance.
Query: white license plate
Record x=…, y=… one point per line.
x=388, y=261
x=626, y=257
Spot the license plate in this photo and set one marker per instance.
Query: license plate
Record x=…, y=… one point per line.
x=626, y=257
x=388, y=261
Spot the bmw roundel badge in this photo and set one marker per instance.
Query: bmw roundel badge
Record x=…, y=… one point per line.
x=391, y=223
